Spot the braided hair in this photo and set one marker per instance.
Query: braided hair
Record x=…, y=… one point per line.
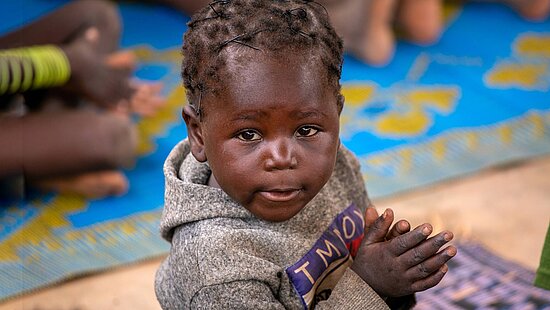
x=263, y=26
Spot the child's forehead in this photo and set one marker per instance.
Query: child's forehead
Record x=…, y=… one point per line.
x=269, y=72
x=280, y=64
x=270, y=83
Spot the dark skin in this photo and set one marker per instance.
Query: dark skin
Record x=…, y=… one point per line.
x=282, y=149
x=409, y=261
x=93, y=77
x=274, y=127
x=87, y=31
x=184, y=6
x=67, y=23
x=57, y=144
x=76, y=135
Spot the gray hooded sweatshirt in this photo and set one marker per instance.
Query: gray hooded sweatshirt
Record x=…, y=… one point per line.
x=223, y=257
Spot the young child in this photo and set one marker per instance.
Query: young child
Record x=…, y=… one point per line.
x=264, y=208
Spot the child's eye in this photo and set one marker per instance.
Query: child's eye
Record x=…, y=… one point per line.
x=306, y=131
x=249, y=135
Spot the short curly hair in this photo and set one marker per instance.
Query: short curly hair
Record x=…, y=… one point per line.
x=275, y=26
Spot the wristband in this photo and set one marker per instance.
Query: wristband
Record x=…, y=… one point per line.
x=36, y=67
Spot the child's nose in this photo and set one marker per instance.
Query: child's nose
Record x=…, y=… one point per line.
x=281, y=155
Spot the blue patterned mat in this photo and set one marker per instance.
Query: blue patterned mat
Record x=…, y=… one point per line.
x=479, y=97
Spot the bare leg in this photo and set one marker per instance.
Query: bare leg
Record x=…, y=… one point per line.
x=67, y=23
x=375, y=42
x=420, y=20
x=365, y=26
x=51, y=144
x=531, y=9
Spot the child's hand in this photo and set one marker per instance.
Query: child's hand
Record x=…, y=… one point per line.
x=104, y=79
x=408, y=263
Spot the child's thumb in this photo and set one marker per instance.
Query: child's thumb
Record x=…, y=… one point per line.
x=370, y=216
x=377, y=229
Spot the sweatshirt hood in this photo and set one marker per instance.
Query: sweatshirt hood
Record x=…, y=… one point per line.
x=187, y=196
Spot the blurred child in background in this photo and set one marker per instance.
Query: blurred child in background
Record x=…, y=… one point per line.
x=367, y=26
x=66, y=94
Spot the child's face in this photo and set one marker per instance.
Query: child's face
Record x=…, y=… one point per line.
x=271, y=135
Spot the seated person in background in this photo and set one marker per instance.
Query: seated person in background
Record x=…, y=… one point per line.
x=264, y=208
x=367, y=26
x=65, y=95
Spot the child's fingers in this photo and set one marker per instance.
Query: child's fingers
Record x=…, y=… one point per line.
x=146, y=100
x=152, y=107
x=378, y=230
x=370, y=217
x=149, y=86
x=407, y=241
x=398, y=229
x=432, y=264
x=426, y=249
x=122, y=59
x=430, y=281
x=118, y=85
x=156, y=87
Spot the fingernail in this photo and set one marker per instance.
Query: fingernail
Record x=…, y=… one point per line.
x=447, y=237
x=385, y=214
x=451, y=252
x=426, y=231
x=444, y=269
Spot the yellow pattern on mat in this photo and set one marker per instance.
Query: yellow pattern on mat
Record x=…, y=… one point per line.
x=439, y=150
x=38, y=231
x=406, y=112
x=528, y=69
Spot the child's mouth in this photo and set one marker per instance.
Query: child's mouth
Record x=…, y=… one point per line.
x=280, y=195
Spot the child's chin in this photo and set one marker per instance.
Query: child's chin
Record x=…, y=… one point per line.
x=279, y=212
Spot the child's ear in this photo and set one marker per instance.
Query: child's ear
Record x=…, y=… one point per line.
x=340, y=103
x=194, y=132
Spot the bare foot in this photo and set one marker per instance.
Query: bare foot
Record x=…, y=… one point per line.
x=374, y=41
x=534, y=10
x=420, y=20
x=92, y=185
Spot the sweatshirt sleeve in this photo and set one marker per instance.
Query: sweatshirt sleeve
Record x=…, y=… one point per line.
x=350, y=293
